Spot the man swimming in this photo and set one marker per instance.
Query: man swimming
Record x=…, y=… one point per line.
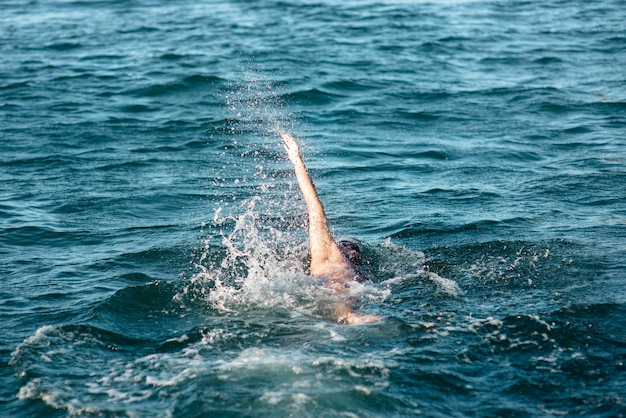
x=328, y=261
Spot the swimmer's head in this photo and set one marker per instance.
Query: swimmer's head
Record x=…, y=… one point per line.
x=351, y=251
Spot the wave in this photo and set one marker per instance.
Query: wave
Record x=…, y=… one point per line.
x=420, y=230
x=15, y=85
x=64, y=46
x=72, y=369
x=39, y=236
x=185, y=84
x=312, y=97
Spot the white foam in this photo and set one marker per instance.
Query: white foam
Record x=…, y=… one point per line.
x=57, y=397
x=446, y=286
x=261, y=267
x=405, y=264
x=29, y=390
x=266, y=359
x=363, y=389
x=296, y=374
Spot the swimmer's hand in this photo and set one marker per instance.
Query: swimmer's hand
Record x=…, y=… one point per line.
x=345, y=315
x=291, y=146
x=354, y=318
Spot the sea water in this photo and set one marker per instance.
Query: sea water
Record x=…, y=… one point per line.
x=153, y=247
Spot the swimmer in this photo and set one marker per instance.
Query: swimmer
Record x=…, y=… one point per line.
x=330, y=261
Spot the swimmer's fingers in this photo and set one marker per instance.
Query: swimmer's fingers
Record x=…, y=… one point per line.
x=288, y=138
x=291, y=146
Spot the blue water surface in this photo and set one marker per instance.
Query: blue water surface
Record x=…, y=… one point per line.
x=153, y=250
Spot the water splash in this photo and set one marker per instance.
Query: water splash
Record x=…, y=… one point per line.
x=254, y=265
x=399, y=264
x=257, y=253
x=256, y=106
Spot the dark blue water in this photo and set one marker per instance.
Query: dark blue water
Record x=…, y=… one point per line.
x=153, y=242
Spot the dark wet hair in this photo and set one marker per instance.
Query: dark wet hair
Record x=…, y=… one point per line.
x=351, y=251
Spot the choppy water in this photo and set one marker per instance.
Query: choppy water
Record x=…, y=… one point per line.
x=152, y=241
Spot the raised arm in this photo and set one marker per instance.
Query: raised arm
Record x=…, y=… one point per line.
x=327, y=261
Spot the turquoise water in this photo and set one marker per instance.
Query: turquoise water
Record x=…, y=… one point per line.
x=153, y=241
